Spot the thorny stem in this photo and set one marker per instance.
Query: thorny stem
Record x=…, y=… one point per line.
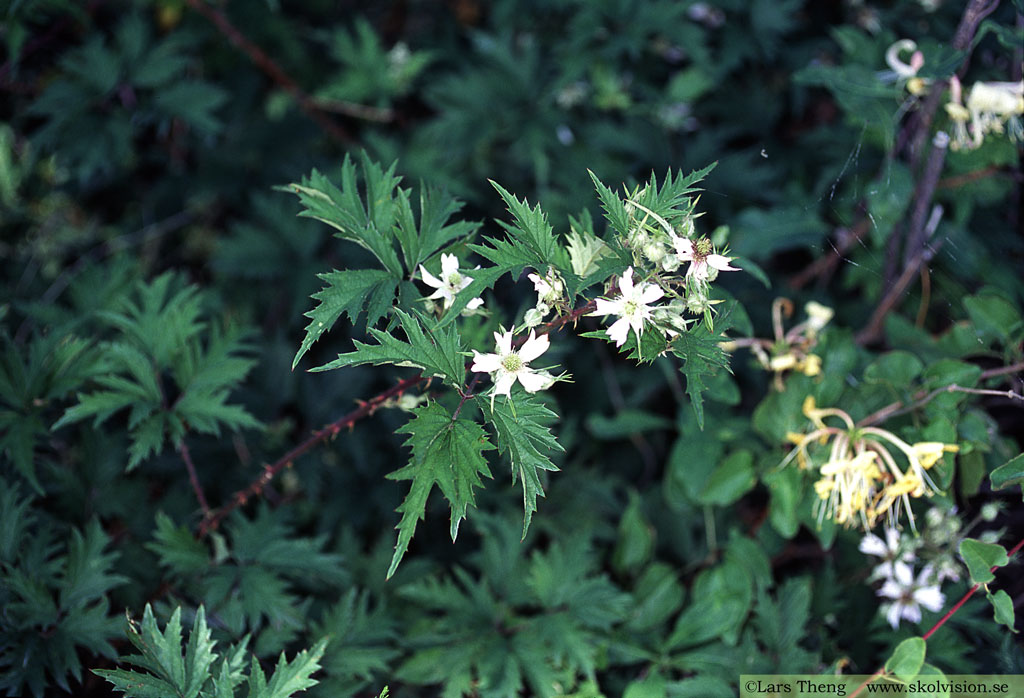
x=919, y=229
x=271, y=69
x=357, y=111
x=466, y=395
x=942, y=621
x=914, y=253
x=194, y=478
x=256, y=487
x=214, y=518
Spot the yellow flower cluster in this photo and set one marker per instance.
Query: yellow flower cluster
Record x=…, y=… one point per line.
x=991, y=107
x=790, y=350
x=861, y=480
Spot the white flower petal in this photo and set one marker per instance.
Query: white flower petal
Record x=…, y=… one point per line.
x=532, y=382
x=485, y=363
x=720, y=262
x=626, y=282
x=504, y=342
x=698, y=269
x=636, y=321
x=540, y=285
x=904, y=576
x=503, y=383
x=892, y=614
x=607, y=307
x=429, y=279
x=882, y=571
x=684, y=248
x=449, y=265
x=891, y=590
x=901, y=570
x=619, y=331
x=474, y=304
x=911, y=612
x=931, y=598
x=534, y=347
x=873, y=545
x=650, y=293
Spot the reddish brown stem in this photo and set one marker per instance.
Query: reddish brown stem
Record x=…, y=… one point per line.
x=957, y=181
x=970, y=592
x=271, y=69
x=255, y=488
x=194, y=478
x=942, y=621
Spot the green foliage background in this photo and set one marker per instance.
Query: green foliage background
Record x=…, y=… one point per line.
x=156, y=310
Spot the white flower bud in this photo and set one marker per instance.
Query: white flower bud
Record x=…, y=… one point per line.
x=818, y=316
x=535, y=316
x=655, y=252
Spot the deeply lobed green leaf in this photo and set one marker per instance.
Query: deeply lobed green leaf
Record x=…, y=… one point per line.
x=447, y=451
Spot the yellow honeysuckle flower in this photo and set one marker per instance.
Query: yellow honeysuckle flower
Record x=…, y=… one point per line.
x=824, y=487
x=863, y=477
x=801, y=451
x=811, y=365
x=782, y=363
x=910, y=484
x=818, y=316
x=848, y=486
x=811, y=411
x=917, y=86
x=930, y=452
x=796, y=437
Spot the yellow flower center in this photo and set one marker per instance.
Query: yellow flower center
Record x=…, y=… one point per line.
x=512, y=363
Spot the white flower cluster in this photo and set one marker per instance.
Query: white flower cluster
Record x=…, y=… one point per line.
x=661, y=247
x=658, y=245
x=905, y=593
x=549, y=290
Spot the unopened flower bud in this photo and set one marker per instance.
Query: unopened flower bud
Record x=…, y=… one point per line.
x=535, y=316
x=655, y=252
x=697, y=304
x=818, y=316
x=990, y=511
